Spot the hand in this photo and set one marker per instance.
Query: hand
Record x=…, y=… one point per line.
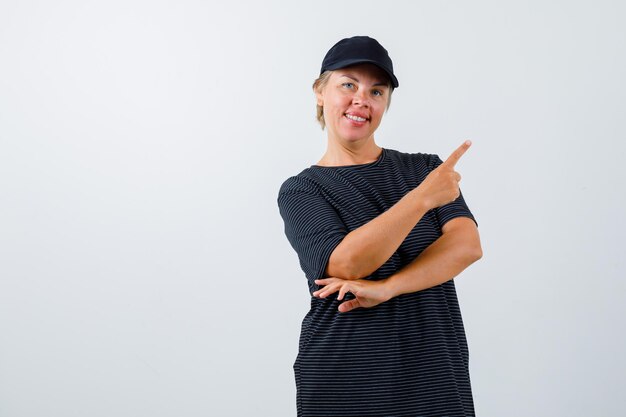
x=367, y=293
x=441, y=186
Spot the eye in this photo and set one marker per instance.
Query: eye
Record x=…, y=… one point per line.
x=377, y=93
x=348, y=85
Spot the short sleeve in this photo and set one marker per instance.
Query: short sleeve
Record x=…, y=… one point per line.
x=312, y=226
x=457, y=208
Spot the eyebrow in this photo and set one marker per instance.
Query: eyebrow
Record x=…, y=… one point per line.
x=355, y=79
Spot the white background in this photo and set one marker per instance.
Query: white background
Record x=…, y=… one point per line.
x=144, y=269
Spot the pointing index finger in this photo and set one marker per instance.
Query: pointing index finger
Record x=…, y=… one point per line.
x=456, y=155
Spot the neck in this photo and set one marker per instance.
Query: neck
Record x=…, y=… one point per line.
x=339, y=154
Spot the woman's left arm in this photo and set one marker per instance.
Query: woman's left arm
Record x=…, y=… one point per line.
x=457, y=248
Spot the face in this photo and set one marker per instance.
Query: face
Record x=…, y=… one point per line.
x=354, y=101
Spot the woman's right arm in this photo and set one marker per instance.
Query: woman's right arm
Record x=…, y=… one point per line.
x=364, y=250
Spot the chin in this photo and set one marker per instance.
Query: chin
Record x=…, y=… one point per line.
x=355, y=138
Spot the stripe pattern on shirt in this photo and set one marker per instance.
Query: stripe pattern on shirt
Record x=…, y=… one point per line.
x=405, y=357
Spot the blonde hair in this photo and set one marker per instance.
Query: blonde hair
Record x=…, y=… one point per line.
x=321, y=82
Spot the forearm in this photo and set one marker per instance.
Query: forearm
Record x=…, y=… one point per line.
x=365, y=249
x=444, y=259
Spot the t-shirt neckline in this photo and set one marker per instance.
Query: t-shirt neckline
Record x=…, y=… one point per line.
x=380, y=159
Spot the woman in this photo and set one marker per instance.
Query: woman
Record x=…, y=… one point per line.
x=380, y=235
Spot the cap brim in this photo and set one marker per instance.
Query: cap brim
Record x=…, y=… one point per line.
x=348, y=62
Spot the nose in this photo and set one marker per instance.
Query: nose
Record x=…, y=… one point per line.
x=360, y=98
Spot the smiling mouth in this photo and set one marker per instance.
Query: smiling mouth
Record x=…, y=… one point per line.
x=355, y=118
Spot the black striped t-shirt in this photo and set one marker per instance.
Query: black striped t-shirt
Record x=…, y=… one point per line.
x=405, y=357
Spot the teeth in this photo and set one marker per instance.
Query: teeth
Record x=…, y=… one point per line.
x=356, y=118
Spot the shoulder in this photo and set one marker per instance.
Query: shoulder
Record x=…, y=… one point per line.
x=414, y=160
x=297, y=184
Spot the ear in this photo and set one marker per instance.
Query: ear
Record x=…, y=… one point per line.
x=320, y=97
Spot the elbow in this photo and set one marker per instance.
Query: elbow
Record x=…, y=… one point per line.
x=475, y=252
x=351, y=274
x=356, y=269
x=348, y=271
x=474, y=248
x=339, y=267
x=470, y=252
x=343, y=267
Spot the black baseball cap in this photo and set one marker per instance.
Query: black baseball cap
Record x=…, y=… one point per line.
x=359, y=50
